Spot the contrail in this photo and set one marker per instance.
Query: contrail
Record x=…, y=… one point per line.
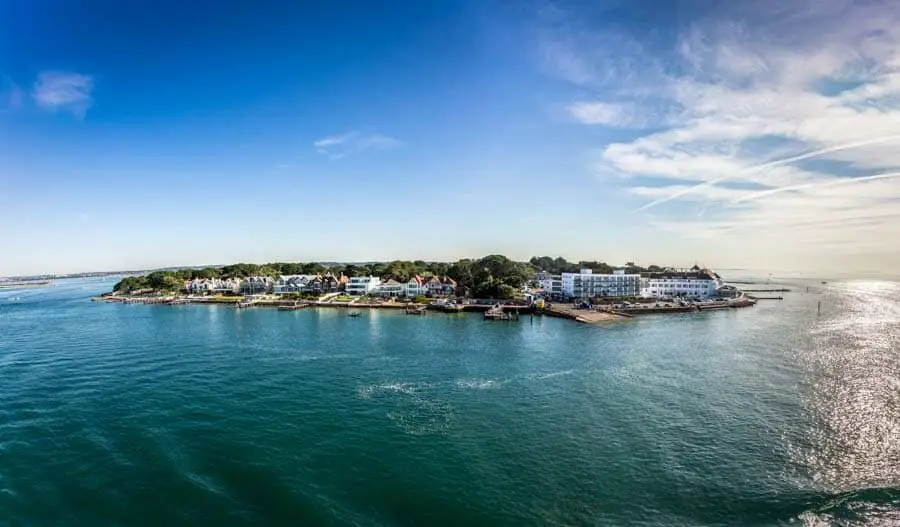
x=833, y=183
x=770, y=164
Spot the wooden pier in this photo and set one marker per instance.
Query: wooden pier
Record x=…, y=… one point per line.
x=292, y=307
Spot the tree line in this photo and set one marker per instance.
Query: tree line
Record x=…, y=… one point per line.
x=494, y=276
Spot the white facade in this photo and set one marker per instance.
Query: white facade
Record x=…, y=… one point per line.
x=416, y=286
x=213, y=285
x=682, y=284
x=199, y=285
x=551, y=284
x=362, y=285
x=392, y=288
x=586, y=284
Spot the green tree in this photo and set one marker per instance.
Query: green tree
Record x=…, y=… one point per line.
x=437, y=268
x=400, y=270
x=353, y=270
x=267, y=270
x=464, y=275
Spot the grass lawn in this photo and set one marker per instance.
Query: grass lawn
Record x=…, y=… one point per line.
x=342, y=298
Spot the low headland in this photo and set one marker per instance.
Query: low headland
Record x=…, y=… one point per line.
x=501, y=288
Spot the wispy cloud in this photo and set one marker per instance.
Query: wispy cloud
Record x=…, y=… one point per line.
x=64, y=91
x=338, y=146
x=769, y=113
x=603, y=113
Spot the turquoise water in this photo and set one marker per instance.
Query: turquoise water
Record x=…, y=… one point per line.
x=202, y=415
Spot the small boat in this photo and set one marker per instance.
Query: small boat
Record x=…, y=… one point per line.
x=496, y=312
x=354, y=314
x=418, y=310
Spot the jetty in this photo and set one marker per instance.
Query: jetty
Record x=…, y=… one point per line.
x=292, y=307
x=585, y=316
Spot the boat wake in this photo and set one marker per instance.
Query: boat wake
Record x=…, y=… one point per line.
x=411, y=406
x=479, y=384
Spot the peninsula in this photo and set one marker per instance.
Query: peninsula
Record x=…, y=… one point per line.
x=585, y=291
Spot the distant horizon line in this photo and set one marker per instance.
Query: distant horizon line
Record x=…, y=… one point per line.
x=775, y=273
x=326, y=263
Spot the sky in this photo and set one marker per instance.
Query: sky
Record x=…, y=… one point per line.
x=760, y=135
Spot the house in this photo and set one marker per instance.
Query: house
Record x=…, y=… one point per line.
x=256, y=284
x=227, y=286
x=332, y=284
x=415, y=286
x=287, y=284
x=434, y=286
x=585, y=284
x=689, y=283
x=362, y=285
x=448, y=286
x=316, y=285
x=213, y=285
x=391, y=288
x=198, y=286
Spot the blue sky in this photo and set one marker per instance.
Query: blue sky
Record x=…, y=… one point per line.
x=172, y=133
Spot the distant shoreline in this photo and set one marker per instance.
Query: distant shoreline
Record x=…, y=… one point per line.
x=21, y=285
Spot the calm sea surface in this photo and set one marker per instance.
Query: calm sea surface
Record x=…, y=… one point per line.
x=197, y=415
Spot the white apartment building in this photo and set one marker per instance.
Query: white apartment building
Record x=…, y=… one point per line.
x=693, y=283
x=362, y=285
x=586, y=284
x=551, y=284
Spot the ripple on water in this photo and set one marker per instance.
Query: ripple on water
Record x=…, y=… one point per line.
x=412, y=407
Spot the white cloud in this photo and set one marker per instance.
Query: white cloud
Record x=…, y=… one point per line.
x=603, y=113
x=795, y=105
x=338, y=146
x=64, y=91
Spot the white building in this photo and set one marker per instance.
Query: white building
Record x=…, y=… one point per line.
x=391, y=288
x=691, y=283
x=198, y=285
x=362, y=285
x=212, y=285
x=226, y=286
x=416, y=286
x=586, y=284
x=551, y=284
